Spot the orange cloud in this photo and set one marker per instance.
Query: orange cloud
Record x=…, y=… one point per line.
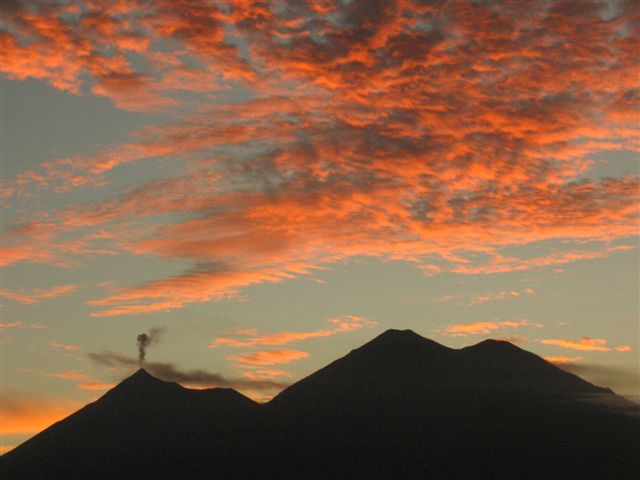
x=250, y=338
x=562, y=359
x=38, y=295
x=270, y=357
x=586, y=344
x=439, y=136
x=22, y=252
x=481, y=328
x=42, y=45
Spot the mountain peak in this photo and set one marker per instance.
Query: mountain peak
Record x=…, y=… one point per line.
x=141, y=373
x=142, y=385
x=502, y=352
x=143, y=377
x=395, y=333
x=400, y=342
x=401, y=337
x=493, y=344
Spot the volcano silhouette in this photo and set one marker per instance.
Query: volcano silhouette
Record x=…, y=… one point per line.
x=401, y=406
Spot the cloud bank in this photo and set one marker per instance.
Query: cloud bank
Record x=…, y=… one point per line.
x=437, y=133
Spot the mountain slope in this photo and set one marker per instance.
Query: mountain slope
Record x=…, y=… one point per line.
x=139, y=426
x=404, y=363
x=483, y=411
x=400, y=406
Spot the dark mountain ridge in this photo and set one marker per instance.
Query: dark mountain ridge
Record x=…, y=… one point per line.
x=400, y=406
x=144, y=388
x=401, y=360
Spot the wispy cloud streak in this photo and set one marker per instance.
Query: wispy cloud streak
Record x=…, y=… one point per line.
x=252, y=338
x=487, y=327
x=37, y=295
x=586, y=344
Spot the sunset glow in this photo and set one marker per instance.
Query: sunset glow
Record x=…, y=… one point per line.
x=275, y=183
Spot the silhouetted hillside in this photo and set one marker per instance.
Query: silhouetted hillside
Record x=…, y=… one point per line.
x=404, y=363
x=401, y=406
x=142, y=424
x=485, y=410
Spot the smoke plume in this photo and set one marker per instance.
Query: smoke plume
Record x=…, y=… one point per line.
x=171, y=372
x=147, y=339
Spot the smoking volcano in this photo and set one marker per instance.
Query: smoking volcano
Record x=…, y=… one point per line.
x=399, y=407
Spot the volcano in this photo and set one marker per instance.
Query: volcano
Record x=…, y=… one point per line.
x=400, y=406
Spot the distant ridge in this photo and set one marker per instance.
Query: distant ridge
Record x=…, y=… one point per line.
x=400, y=406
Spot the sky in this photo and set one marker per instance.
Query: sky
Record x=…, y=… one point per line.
x=261, y=187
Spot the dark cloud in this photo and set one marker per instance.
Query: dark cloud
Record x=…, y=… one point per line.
x=171, y=372
x=11, y=7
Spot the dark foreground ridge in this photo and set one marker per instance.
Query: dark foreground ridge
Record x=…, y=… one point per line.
x=400, y=406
